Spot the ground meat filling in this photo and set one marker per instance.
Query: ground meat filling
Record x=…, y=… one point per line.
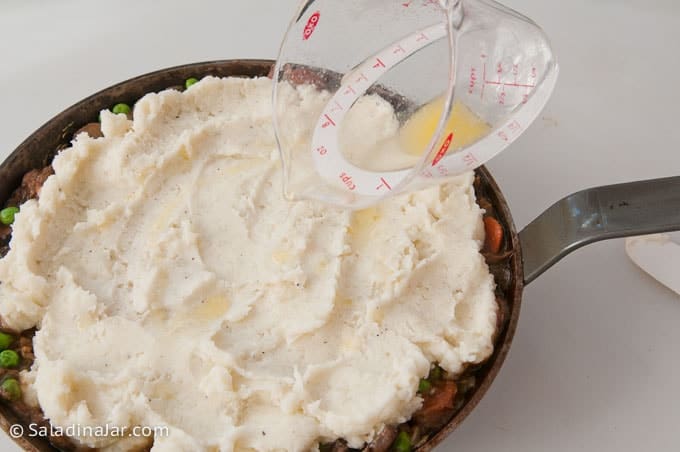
x=30, y=187
x=442, y=396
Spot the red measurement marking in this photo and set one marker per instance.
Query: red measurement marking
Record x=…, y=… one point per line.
x=329, y=122
x=421, y=37
x=379, y=63
x=350, y=90
x=398, y=49
x=470, y=160
x=311, y=25
x=337, y=107
x=443, y=149
x=499, y=68
x=512, y=85
x=383, y=184
x=515, y=127
x=473, y=80
x=347, y=180
x=511, y=130
x=484, y=79
x=322, y=150
x=525, y=99
x=534, y=72
x=362, y=78
x=407, y=4
x=501, y=98
x=427, y=173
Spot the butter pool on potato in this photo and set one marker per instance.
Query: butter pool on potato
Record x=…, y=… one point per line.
x=173, y=285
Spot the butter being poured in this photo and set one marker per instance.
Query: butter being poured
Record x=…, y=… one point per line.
x=172, y=285
x=465, y=126
x=369, y=142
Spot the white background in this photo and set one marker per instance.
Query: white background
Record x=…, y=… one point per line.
x=594, y=366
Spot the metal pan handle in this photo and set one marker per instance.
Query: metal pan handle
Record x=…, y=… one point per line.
x=602, y=213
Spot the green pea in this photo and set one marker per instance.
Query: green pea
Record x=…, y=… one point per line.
x=5, y=340
x=11, y=389
x=402, y=443
x=424, y=386
x=7, y=215
x=121, y=109
x=9, y=358
x=190, y=81
x=436, y=373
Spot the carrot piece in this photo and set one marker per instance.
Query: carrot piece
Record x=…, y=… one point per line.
x=437, y=406
x=494, y=235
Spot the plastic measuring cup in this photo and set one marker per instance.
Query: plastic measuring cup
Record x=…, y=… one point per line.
x=452, y=82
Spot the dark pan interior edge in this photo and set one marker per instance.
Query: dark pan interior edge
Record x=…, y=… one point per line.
x=39, y=149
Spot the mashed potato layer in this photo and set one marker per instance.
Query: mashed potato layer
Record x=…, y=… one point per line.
x=172, y=285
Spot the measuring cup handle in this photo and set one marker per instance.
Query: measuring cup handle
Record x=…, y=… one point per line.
x=588, y=216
